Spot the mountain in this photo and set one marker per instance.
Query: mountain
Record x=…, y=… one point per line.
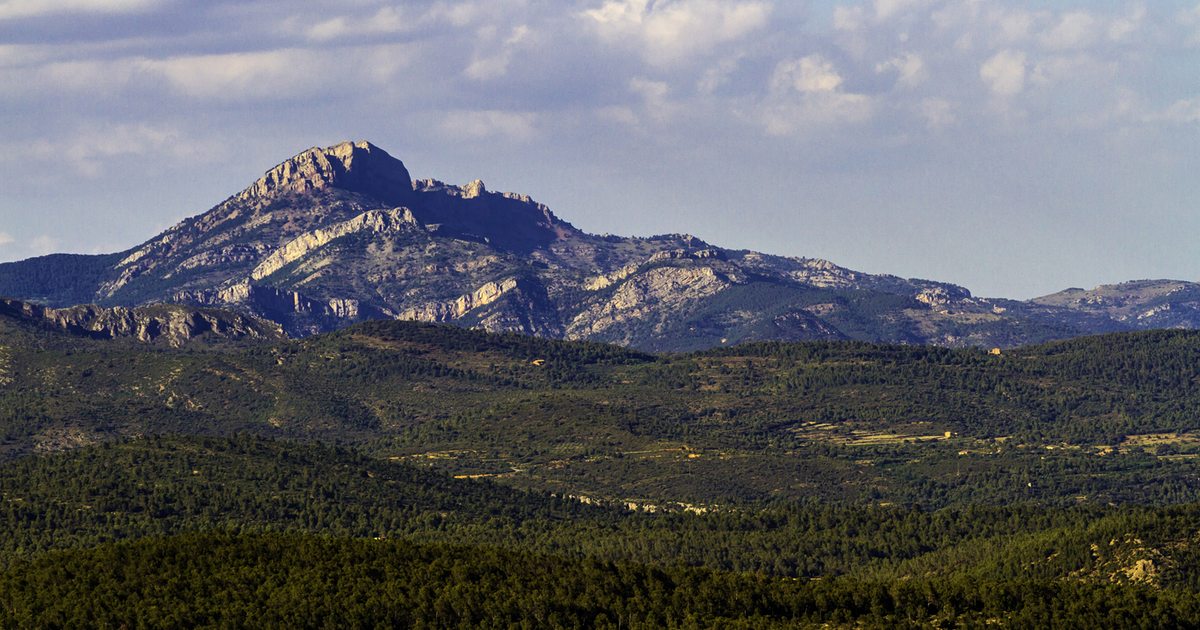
x=1140, y=303
x=170, y=324
x=343, y=234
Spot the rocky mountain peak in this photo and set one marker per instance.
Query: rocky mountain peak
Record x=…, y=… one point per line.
x=359, y=167
x=474, y=189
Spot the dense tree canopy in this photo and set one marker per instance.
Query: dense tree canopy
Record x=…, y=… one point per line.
x=402, y=474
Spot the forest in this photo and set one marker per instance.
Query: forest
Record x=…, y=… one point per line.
x=417, y=475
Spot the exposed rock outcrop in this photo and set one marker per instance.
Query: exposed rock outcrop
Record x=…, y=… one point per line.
x=371, y=221
x=355, y=166
x=174, y=325
x=1140, y=303
x=941, y=295
x=648, y=298
x=299, y=314
x=453, y=309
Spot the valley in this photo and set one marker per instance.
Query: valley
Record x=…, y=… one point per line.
x=344, y=397
x=987, y=487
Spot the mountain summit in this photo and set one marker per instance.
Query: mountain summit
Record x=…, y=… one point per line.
x=359, y=167
x=341, y=234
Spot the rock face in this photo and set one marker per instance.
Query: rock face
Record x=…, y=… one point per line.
x=173, y=325
x=355, y=166
x=1140, y=303
x=342, y=234
x=451, y=310
x=373, y=221
x=651, y=299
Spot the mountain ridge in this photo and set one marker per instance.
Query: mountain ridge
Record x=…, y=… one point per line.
x=342, y=234
x=172, y=324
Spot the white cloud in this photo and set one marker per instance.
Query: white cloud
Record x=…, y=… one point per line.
x=1190, y=20
x=325, y=22
x=618, y=114
x=223, y=77
x=849, y=18
x=475, y=124
x=1074, y=30
x=805, y=95
x=853, y=18
x=43, y=244
x=236, y=76
x=1075, y=67
x=909, y=69
x=387, y=20
x=6, y=239
x=1183, y=111
x=886, y=9
x=1011, y=26
x=277, y=74
x=806, y=74
x=19, y=55
x=655, y=97
x=1120, y=29
x=1004, y=73
x=1081, y=30
x=13, y=9
x=89, y=150
x=971, y=25
x=619, y=13
x=92, y=76
x=485, y=68
x=671, y=31
x=938, y=113
x=496, y=65
x=460, y=14
x=717, y=75
x=736, y=52
x=814, y=112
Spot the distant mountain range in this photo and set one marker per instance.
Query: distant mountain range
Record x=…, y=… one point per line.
x=343, y=234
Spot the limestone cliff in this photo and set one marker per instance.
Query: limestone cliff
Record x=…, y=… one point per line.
x=173, y=325
x=355, y=166
x=650, y=298
x=373, y=221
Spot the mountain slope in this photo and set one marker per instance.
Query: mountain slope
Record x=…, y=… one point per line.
x=1140, y=303
x=1098, y=419
x=57, y=279
x=342, y=234
x=170, y=324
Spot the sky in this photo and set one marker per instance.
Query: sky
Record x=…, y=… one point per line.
x=1015, y=148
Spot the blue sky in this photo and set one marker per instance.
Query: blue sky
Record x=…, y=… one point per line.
x=1015, y=148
